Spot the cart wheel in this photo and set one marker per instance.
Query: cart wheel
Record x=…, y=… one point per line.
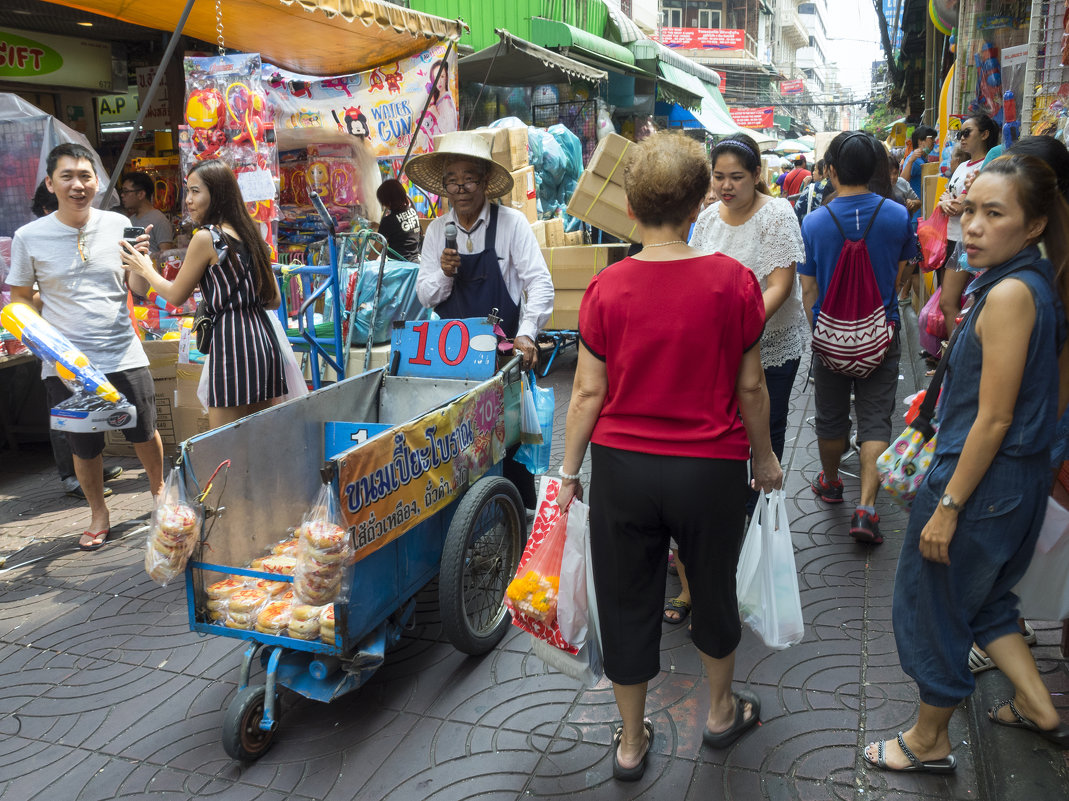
x=242, y=737
x=481, y=553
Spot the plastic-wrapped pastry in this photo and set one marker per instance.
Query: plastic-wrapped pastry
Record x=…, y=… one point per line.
x=286, y=548
x=273, y=588
x=177, y=521
x=217, y=608
x=321, y=562
x=225, y=588
x=304, y=629
x=243, y=607
x=283, y=565
x=174, y=531
x=273, y=618
x=326, y=625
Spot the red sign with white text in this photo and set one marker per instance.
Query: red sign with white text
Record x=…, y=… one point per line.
x=703, y=38
x=723, y=79
x=795, y=87
x=752, y=117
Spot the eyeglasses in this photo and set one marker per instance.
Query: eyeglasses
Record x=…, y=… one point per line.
x=452, y=187
x=128, y=191
x=83, y=244
x=965, y=133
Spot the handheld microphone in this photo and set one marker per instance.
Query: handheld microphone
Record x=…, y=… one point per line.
x=451, y=235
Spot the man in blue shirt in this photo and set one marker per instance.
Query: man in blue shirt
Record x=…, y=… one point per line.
x=852, y=160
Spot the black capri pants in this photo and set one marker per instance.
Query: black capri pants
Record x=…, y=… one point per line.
x=637, y=502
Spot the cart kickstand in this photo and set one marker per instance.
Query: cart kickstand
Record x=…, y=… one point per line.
x=268, y=722
x=246, y=664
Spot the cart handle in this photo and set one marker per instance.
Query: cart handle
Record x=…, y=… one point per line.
x=511, y=372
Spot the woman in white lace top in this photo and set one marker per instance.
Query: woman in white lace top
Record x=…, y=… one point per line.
x=761, y=232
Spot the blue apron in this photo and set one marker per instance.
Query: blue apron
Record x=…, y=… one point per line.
x=479, y=287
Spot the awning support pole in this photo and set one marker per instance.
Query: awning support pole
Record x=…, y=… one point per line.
x=427, y=105
x=489, y=69
x=150, y=95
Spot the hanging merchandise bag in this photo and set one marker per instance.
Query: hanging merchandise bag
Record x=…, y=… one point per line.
x=536, y=457
x=176, y=525
x=932, y=236
x=323, y=551
x=767, y=578
x=572, y=607
x=530, y=430
x=1043, y=592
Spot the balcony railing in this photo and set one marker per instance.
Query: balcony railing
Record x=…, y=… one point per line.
x=794, y=29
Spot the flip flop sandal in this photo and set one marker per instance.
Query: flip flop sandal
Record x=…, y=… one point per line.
x=1058, y=736
x=916, y=765
x=631, y=774
x=95, y=546
x=741, y=724
x=978, y=662
x=676, y=605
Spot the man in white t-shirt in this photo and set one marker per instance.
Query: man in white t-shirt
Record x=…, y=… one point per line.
x=136, y=194
x=72, y=256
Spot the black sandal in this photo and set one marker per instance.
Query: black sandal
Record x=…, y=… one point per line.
x=741, y=724
x=631, y=774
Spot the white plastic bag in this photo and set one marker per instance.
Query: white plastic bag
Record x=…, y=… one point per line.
x=1043, y=592
x=296, y=386
x=767, y=578
x=530, y=430
x=572, y=606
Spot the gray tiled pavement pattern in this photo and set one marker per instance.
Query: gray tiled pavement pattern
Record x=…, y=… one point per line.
x=106, y=694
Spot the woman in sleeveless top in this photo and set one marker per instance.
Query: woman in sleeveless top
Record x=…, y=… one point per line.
x=976, y=518
x=230, y=261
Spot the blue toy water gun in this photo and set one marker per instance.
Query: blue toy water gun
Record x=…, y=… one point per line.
x=1011, y=129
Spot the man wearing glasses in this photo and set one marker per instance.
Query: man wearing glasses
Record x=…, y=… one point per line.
x=495, y=262
x=136, y=194
x=72, y=255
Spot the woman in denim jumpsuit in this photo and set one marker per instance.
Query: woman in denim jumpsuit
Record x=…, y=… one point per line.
x=975, y=520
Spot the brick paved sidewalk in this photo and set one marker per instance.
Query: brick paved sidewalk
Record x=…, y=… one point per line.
x=104, y=693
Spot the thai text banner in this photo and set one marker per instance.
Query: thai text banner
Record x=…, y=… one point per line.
x=400, y=478
x=380, y=107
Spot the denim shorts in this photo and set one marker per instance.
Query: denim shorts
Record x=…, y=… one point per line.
x=940, y=610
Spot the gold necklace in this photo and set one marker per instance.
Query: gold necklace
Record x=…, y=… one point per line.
x=662, y=244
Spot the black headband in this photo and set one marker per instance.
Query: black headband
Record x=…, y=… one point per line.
x=737, y=145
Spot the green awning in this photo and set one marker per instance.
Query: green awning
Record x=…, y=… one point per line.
x=675, y=86
x=583, y=46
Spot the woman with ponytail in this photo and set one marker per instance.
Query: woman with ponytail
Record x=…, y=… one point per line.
x=975, y=520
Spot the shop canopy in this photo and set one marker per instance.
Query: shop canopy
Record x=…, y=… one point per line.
x=316, y=37
x=583, y=46
x=515, y=62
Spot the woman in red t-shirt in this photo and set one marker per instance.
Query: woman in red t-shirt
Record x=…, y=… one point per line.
x=669, y=358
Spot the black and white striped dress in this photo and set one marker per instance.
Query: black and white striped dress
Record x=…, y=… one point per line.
x=246, y=365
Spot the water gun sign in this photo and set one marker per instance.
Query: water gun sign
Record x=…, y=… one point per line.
x=380, y=107
x=388, y=484
x=96, y=404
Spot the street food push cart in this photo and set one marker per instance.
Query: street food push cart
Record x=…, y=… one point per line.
x=412, y=455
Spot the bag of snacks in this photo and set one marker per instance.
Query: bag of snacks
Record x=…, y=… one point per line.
x=175, y=530
x=323, y=552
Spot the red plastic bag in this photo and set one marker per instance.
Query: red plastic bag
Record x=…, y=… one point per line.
x=932, y=235
x=532, y=595
x=934, y=323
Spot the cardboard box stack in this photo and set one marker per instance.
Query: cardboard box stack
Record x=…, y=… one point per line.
x=571, y=268
x=599, y=199
x=524, y=197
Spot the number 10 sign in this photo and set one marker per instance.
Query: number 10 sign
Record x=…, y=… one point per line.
x=445, y=349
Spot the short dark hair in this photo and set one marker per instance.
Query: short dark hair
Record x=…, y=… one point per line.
x=44, y=202
x=391, y=193
x=141, y=182
x=854, y=157
x=921, y=132
x=74, y=151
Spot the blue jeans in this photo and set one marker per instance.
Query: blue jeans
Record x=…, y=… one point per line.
x=940, y=610
x=780, y=382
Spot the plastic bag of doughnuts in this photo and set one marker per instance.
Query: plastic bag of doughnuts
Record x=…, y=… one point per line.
x=323, y=552
x=175, y=530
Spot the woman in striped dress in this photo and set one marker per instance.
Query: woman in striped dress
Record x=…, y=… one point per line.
x=231, y=262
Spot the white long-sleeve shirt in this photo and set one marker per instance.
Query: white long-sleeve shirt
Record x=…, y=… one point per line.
x=522, y=266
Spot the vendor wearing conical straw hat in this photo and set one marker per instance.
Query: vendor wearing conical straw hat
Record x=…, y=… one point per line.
x=497, y=262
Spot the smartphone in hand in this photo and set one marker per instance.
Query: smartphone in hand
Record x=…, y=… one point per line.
x=131, y=233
